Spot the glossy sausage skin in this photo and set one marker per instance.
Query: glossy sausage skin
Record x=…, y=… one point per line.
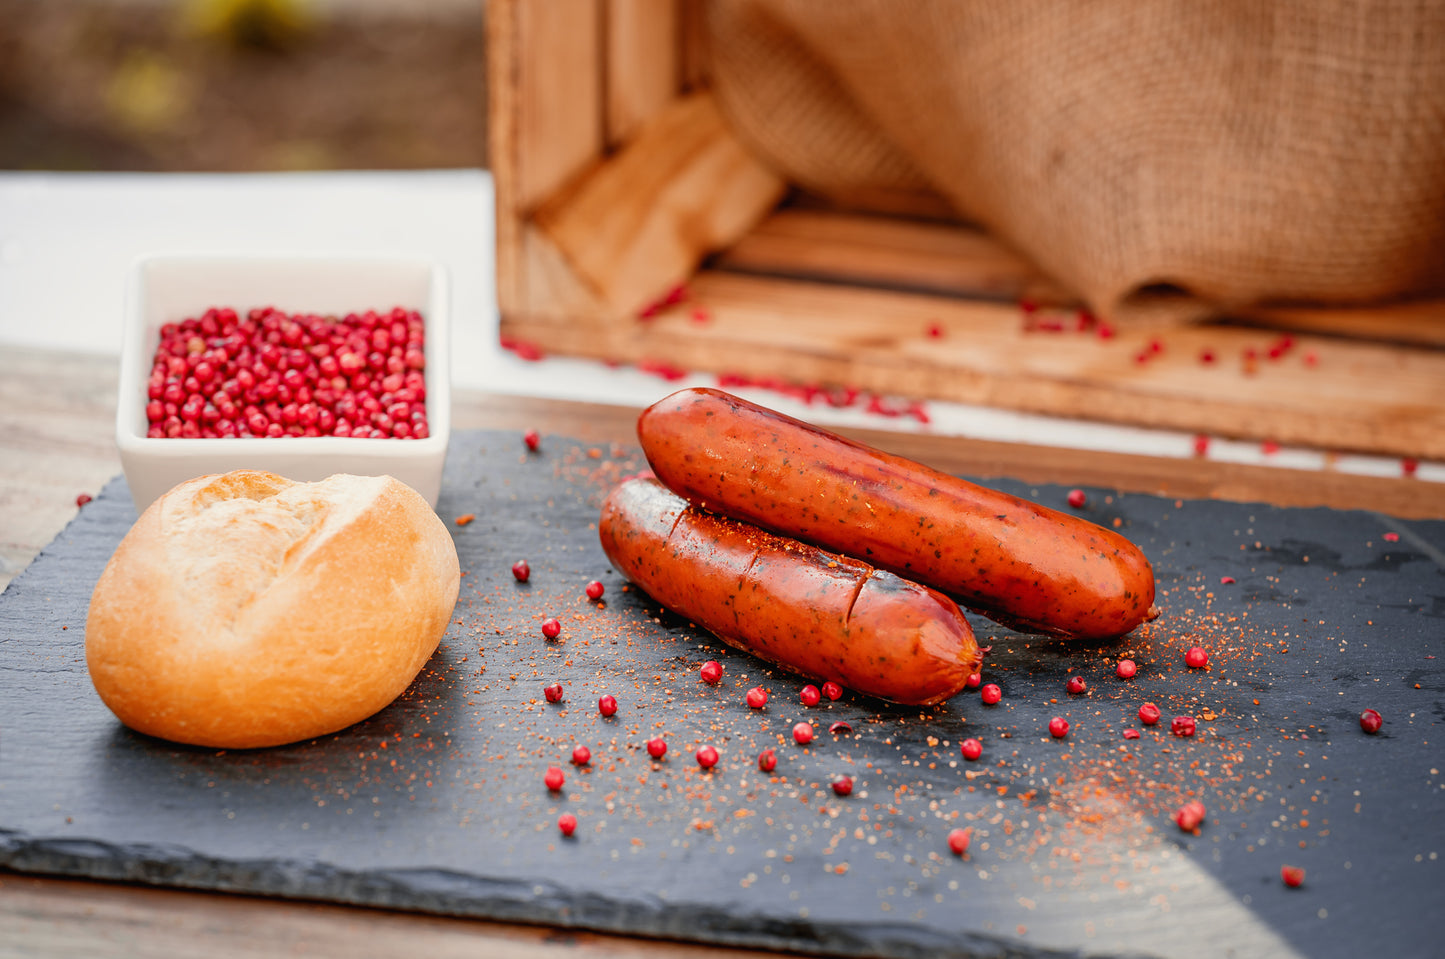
x=1016, y=562
x=796, y=606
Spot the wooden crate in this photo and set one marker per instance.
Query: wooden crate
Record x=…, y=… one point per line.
x=618, y=181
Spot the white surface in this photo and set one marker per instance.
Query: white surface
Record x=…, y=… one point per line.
x=67, y=240
x=165, y=289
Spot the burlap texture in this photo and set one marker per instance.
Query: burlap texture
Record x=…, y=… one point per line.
x=1166, y=159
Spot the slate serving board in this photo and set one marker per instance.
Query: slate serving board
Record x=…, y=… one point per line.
x=437, y=803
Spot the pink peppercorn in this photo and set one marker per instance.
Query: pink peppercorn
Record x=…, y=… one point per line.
x=1190, y=815
x=991, y=694
x=1182, y=725
x=971, y=749
x=1371, y=721
x=1126, y=669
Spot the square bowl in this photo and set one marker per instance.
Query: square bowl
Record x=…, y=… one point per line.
x=171, y=288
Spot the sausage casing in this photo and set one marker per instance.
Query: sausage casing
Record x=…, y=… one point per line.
x=819, y=614
x=1015, y=561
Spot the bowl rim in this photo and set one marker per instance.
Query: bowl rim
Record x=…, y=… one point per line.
x=138, y=347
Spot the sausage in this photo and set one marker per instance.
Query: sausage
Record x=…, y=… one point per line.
x=796, y=606
x=1021, y=564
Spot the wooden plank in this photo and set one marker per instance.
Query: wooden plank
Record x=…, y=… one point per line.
x=1418, y=322
x=888, y=252
x=57, y=440
x=552, y=286
x=1322, y=392
x=559, y=75
x=643, y=63
x=545, y=115
x=692, y=45
x=1194, y=478
x=65, y=918
x=643, y=221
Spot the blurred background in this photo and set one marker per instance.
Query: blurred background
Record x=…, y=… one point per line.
x=242, y=85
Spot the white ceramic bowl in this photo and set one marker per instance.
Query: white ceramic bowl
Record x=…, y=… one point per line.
x=169, y=288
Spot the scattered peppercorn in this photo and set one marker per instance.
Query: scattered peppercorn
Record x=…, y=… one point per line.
x=757, y=697
x=551, y=628
x=958, y=841
x=595, y=590
x=521, y=570
x=1371, y=721
x=971, y=749
x=1058, y=727
x=810, y=696
x=711, y=672
x=554, y=779
x=1126, y=669
x=991, y=694
x=567, y=823
x=803, y=733
x=1190, y=815
x=607, y=705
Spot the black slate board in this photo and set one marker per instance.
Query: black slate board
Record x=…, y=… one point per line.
x=437, y=803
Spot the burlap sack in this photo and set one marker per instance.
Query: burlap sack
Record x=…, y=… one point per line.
x=1163, y=158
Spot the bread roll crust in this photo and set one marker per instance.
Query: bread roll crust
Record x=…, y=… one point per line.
x=246, y=610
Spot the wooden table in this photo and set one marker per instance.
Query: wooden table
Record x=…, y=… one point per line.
x=56, y=441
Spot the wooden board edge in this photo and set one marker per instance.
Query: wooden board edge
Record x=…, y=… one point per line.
x=1193, y=478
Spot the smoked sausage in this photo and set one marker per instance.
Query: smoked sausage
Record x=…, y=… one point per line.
x=1021, y=564
x=816, y=613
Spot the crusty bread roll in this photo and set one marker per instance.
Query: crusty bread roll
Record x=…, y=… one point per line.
x=245, y=610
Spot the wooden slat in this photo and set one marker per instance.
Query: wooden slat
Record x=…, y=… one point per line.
x=559, y=75
x=692, y=42
x=889, y=252
x=1356, y=396
x=643, y=68
x=1419, y=322
x=553, y=287
x=641, y=222
x=545, y=116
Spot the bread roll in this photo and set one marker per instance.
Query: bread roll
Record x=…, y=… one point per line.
x=245, y=610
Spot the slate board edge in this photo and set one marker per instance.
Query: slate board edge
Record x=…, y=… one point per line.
x=450, y=894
